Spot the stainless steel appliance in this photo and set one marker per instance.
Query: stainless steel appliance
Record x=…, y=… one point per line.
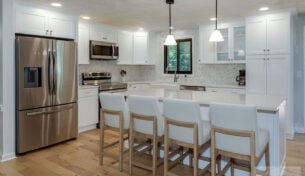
x=241, y=78
x=103, y=80
x=103, y=50
x=46, y=92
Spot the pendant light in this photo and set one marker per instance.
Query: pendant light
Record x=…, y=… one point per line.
x=170, y=39
x=216, y=35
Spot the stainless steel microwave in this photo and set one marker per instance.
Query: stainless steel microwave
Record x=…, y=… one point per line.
x=103, y=50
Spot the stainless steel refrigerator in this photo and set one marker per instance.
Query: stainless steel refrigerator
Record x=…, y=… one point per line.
x=46, y=90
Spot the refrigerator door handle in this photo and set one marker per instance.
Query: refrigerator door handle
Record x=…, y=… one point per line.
x=54, y=71
x=49, y=112
x=112, y=51
x=50, y=77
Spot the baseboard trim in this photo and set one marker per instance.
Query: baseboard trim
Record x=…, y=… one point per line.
x=289, y=136
x=7, y=157
x=86, y=128
x=300, y=130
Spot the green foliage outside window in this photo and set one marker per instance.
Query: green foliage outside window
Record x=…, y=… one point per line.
x=179, y=58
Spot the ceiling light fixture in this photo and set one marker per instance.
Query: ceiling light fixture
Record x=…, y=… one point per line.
x=86, y=17
x=263, y=8
x=170, y=39
x=141, y=29
x=216, y=35
x=56, y=4
x=213, y=19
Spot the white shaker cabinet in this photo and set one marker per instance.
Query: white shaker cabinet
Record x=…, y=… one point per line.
x=207, y=49
x=83, y=43
x=268, y=75
x=44, y=23
x=88, y=108
x=104, y=33
x=269, y=34
x=140, y=48
x=125, y=48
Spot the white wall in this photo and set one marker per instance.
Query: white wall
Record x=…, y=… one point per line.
x=1, y=82
x=8, y=118
x=299, y=75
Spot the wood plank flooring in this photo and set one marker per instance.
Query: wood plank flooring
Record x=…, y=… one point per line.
x=80, y=158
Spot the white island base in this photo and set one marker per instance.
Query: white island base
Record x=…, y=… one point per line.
x=272, y=116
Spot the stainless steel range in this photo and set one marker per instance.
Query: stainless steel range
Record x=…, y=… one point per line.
x=103, y=80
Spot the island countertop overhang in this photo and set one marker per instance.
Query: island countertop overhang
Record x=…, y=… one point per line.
x=264, y=103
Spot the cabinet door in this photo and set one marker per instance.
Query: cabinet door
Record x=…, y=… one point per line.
x=256, y=76
x=222, y=48
x=83, y=43
x=62, y=26
x=256, y=34
x=239, y=43
x=278, y=75
x=87, y=111
x=140, y=48
x=278, y=34
x=207, y=50
x=30, y=21
x=125, y=48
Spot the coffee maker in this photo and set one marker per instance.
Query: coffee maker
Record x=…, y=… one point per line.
x=241, y=78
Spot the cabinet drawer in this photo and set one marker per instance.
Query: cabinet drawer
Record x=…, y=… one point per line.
x=87, y=93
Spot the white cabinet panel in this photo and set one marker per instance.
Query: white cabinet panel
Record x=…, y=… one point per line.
x=103, y=33
x=83, y=44
x=88, y=108
x=30, y=21
x=278, y=34
x=256, y=30
x=61, y=26
x=207, y=49
x=140, y=48
x=126, y=48
x=256, y=75
x=278, y=75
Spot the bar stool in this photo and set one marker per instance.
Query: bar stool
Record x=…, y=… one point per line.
x=146, y=122
x=185, y=127
x=114, y=116
x=235, y=134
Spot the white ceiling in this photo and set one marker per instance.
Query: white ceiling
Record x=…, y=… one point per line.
x=153, y=14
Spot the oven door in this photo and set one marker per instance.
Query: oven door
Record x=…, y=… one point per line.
x=103, y=50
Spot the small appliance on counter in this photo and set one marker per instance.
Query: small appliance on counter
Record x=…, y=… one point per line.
x=241, y=78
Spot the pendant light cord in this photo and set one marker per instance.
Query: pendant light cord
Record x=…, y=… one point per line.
x=170, y=19
x=216, y=14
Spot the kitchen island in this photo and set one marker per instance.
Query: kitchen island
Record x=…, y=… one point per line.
x=271, y=116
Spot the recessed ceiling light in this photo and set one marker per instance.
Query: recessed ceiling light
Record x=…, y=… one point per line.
x=263, y=8
x=56, y=4
x=86, y=17
x=141, y=29
x=213, y=19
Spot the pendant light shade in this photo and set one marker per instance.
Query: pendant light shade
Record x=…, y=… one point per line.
x=216, y=35
x=170, y=39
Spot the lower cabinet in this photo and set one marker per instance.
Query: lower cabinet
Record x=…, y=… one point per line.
x=88, y=108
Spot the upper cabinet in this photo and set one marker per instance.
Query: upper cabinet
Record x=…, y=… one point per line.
x=134, y=48
x=44, y=23
x=269, y=34
x=231, y=50
x=104, y=33
x=83, y=43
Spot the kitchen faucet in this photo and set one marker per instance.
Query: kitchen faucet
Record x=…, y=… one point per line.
x=176, y=77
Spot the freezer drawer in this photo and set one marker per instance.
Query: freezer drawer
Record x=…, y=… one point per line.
x=46, y=126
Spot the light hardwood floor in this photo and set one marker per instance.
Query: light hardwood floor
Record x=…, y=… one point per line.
x=80, y=158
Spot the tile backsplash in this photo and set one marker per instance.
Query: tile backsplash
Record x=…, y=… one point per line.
x=202, y=73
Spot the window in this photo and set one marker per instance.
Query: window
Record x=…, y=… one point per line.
x=178, y=58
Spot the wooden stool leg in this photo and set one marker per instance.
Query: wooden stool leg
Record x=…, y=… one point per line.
x=102, y=131
x=166, y=147
x=232, y=167
x=213, y=153
x=155, y=155
x=191, y=157
x=131, y=144
x=196, y=160
x=218, y=164
x=267, y=159
x=121, y=150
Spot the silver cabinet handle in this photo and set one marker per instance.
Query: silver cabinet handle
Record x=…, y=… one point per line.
x=112, y=50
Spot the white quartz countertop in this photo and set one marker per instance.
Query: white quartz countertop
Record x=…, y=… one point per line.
x=262, y=102
x=230, y=86
x=87, y=87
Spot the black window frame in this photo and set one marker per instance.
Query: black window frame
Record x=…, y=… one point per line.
x=178, y=60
